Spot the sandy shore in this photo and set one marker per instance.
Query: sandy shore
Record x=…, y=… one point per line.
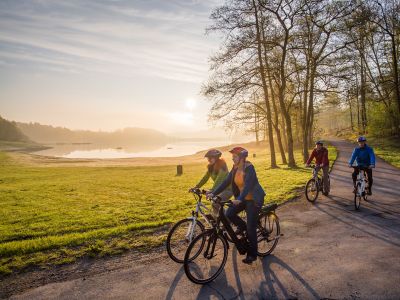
x=26, y=157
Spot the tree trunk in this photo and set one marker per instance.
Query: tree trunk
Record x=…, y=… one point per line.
x=276, y=116
x=265, y=89
x=363, y=98
x=351, y=112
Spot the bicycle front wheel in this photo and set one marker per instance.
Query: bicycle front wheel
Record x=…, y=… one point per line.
x=180, y=236
x=312, y=190
x=268, y=233
x=206, y=266
x=357, y=198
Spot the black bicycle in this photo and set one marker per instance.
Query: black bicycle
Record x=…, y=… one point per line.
x=206, y=255
x=315, y=185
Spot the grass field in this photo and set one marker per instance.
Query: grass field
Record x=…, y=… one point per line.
x=54, y=215
x=387, y=149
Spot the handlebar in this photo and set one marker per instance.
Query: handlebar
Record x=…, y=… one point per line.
x=197, y=191
x=360, y=168
x=218, y=199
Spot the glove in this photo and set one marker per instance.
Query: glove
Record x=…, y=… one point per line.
x=209, y=196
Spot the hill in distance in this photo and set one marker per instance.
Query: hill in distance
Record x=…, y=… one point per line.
x=10, y=132
x=47, y=134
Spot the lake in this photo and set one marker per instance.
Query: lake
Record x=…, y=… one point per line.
x=172, y=149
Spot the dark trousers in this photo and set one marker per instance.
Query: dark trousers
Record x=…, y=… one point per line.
x=252, y=212
x=369, y=176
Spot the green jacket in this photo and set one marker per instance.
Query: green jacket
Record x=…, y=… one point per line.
x=217, y=177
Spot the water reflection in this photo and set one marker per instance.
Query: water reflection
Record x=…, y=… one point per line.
x=83, y=150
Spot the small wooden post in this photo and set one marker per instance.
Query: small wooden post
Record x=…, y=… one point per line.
x=179, y=170
x=254, y=155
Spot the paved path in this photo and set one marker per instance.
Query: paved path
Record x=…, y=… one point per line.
x=329, y=250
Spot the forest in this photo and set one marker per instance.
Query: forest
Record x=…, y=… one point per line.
x=295, y=70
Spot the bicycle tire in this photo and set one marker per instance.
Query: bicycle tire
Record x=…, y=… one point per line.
x=211, y=237
x=357, y=199
x=263, y=236
x=308, y=185
x=180, y=257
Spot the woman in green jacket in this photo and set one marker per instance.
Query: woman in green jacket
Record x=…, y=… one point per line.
x=218, y=171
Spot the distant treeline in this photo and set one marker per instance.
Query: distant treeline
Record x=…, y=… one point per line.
x=49, y=134
x=10, y=132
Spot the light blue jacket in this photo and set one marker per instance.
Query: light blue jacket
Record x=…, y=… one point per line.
x=363, y=156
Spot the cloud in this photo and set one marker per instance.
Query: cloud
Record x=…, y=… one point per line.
x=147, y=38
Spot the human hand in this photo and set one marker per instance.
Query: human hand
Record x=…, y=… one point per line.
x=209, y=195
x=236, y=202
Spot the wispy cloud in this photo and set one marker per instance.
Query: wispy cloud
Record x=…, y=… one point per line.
x=150, y=38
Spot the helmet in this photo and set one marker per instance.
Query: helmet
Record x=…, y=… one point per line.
x=240, y=151
x=361, y=139
x=213, y=153
x=319, y=142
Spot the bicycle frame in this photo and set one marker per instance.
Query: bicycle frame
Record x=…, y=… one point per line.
x=227, y=228
x=362, y=181
x=195, y=214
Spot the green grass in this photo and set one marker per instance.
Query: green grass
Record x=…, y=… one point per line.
x=54, y=215
x=387, y=148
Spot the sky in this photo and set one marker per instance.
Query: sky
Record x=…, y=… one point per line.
x=105, y=65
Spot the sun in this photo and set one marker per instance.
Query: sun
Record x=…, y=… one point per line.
x=190, y=103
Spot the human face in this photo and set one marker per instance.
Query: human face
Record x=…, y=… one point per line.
x=361, y=144
x=211, y=160
x=319, y=146
x=235, y=159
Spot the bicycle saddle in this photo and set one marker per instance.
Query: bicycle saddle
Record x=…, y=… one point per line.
x=269, y=207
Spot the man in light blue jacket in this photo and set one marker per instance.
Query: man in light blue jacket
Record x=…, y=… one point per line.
x=365, y=158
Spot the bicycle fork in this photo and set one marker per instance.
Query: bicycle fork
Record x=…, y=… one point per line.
x=209, y=253
x=190, y=230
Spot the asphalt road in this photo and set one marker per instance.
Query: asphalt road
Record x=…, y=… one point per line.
x=328, y=250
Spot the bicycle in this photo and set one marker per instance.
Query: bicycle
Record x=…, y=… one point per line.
x=315, y=185
x=207, y=254
x=361, y=186
x=183, y=232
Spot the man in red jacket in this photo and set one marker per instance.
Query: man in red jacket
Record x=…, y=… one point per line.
x=320, y=153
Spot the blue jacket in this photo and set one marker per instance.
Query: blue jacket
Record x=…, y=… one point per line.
x=251, y=184
x=363, y=156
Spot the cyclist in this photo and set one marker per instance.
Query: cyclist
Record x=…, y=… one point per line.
x=249, y=196
x=218, y=171
x=320, y=153
x=365, y=158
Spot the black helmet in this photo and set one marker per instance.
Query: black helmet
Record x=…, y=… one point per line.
x=361, y=139
x=319, y=143
x=213, y=153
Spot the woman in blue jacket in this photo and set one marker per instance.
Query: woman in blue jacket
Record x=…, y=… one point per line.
x=365, y=158
x=249, y=196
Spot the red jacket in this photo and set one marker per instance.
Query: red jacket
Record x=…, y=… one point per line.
x=321, y=157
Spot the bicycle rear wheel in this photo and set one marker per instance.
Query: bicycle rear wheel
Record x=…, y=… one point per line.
x=179, y=238
x=268, y=233
x=206, y=266
x=312, y=190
